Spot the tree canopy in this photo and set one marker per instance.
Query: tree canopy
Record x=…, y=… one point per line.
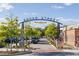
x=10, y=28
x=28, y=31
x=37, y=32
x=51, y=30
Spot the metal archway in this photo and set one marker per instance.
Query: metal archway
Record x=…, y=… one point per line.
x=42, y=18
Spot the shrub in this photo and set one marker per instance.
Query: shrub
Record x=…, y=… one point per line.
x=27, y=46
x=3, y=44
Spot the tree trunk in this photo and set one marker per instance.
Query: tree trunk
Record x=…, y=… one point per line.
x=16, y=46
x=56, y=42
x=7, y=47
x=11, y=47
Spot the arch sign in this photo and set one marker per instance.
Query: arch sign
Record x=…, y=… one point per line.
x=40, y=19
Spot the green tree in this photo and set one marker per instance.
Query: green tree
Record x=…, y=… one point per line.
x=9, y=29
x=3, y=31
x=52, y=32
x=28, y=31
x=37, y=32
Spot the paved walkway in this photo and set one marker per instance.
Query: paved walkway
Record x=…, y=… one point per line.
x=43, y=46
x=13, y=49
x=45, y=49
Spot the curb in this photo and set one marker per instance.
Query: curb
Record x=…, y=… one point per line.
x=15, y=54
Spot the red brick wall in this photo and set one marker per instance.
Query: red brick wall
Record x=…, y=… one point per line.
x=76, y=37
x=69, y=37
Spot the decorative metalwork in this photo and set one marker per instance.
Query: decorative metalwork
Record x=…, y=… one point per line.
x=44, y=19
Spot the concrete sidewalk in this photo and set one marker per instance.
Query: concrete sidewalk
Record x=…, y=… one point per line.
x=13, y=49
x=70, y=50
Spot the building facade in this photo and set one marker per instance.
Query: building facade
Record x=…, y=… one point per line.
x=71, y=35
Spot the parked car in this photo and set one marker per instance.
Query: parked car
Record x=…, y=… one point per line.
x=11, y=40
x=34, y=40
x=1, y=46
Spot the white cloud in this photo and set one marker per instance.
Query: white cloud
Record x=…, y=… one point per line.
x=26, y=13
x=59, y=18
x=67, y=21
x=33, y=13
x=61, y=6
x=57, y=6
x=68, y=4
x=5, y=6
x=2, y=20
x=30, y=13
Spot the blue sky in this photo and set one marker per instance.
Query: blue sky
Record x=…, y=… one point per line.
x=67, y=13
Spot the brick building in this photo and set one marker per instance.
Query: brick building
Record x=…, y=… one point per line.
x=71, y=35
